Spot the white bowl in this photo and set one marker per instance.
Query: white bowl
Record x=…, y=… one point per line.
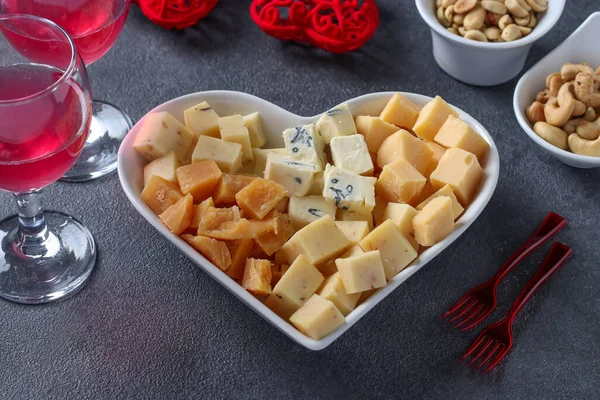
x=275, y=120
x=582, y=46
x=481, y=63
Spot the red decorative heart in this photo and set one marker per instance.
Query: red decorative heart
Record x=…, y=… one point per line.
x=178, y=14
x=337, y=26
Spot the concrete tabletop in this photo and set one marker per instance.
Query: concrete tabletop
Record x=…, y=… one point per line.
x=151, y=324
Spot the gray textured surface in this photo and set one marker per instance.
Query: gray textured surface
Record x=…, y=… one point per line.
x=150, y=324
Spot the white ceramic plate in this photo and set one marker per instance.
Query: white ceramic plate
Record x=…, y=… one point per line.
x=275, y=120
x=582, y=46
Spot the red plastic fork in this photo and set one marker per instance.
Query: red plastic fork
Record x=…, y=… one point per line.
x=478, y=303
x=495, y=341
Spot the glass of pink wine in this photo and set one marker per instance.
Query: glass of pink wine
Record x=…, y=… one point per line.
x=45, y=116
x=94, y=26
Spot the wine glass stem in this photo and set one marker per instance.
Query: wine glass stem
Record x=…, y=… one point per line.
x=32, y=229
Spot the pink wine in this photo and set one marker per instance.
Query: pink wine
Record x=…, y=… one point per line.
x=94, y=25
x=41, y=134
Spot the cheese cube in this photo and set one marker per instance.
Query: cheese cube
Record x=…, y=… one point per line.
x=399, y=182
x=432, y=117
x=233, y=130
x=305, y=145
x=272, y=232
x=362, y=272
x=214, y=250
x=437, y=152
x=228, y=187
x=199, y=179
x=380, y=206
x=343, y=215
x=334, y=291
x=255, y=129
x=374, y=130
x=319, y=241
x=348, y=190
x=283, y=204
x=260, y=159
x=395, y=250
x=354, y=231
x=178, y=217
x=202, y=120
x=317, y=318
x=434, y=222
x=413, y=242
x=239, y=250
x=457, y=209
x=164, y=167
x=294, y=176
x=400, y=111
x=456, y=133
x=461, y=170
x=247, y=169
x=296, y=286
x=257, y=277
x=351, y=153
x=227, y=155
x=329, y=268
x=161, y=134
x=365, y=295
x=404, y=145
x=198, y=212
x=160, y=194
x=402, y=215
x=427, y=191
x=304, y=210
x=277, y=272
x=318, y=184
x=259, y=197
x=336, y=122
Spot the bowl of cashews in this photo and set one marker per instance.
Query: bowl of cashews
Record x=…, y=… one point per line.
x=486, y=42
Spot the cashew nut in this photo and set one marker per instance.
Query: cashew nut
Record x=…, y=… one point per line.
x=505, y=21
x=551, y=134
x=474, y=18
x=579, y=109
x=532, y=21
x=554, y=82
x=535, y=112
x=584, y=90
x=571, y=126
x=559, y=109
x=492, y=33
x=538, y=5
x=463, y=6
x=551, y=77
x=590, y=114
x=543, y=96
x=516, y=8
x=511, y=32
x=589, y=130
x=569, y=71
x=598, y=71
x=584, y=147
x=494, y=6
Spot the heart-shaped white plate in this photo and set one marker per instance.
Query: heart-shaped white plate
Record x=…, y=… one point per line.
x=275, y=120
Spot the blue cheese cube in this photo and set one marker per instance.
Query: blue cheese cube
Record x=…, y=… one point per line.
x=304, y=210
x=349, y=191
x=295, y=177
x=336, y=122
x=304, y=144
x=351, y=153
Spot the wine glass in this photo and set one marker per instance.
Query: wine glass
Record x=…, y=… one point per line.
x=45, y=115
x=94, y=26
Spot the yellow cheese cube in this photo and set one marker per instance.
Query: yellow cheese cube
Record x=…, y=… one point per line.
x=432, y=117
x=400, y=111
x=227, y=155
x=437, y=152
x=374, y=130
x=318, y=183
x=344, y=215
x=355, y=231
x=317, y=318
x=413, y=242
x=456, y=133
x=362, y=272
x=161, y=134
x=404, y=145
x=234, y=130
x=402, y=215
x=399, y=182
x=329, y=268
x=434, y=222
x=457, y=209
x=334, y=291
x=257, y=277
x=379, y=209
x=202, y=120
x=396, y=251
x=164, y=167
x=319, y=241
x=178, y=216
x=260, y=159
x=304, y=210
x=461, y=170
x=256, y=130
x=296, y=286
x=427, y=191
x=365, y=295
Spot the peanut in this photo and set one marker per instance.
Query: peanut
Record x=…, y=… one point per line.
x=476, y=35
x=475, y=18
x=511, y=32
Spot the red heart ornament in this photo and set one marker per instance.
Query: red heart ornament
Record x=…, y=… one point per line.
x=178, y=14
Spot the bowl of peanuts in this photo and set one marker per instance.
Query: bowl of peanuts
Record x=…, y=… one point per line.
x=486, y=42
x=557, y=102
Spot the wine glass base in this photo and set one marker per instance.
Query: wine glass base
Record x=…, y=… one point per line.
x=109, y=127
x=48, y=272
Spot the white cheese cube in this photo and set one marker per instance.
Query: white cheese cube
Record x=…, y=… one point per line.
x=202, y=120
x=256, y=130
x=260, y=159
x=362, y=272
x=164, y=167
x=227, y=155
x=304, y=210
x=334, y=291
x=336, y=122
x=349, y=191
x=294, y=176
x=305, y=145
x=233, y=130
x=351, y=153
x=317, y=318
x=355, y=231
x=161, y=134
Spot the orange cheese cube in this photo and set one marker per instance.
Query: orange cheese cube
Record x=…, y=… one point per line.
x=199, y=179
x=404, y=145
x=239, y=250
x=457, y=209
x=461, y=170
x=178, y=217
x=374, y=130
x=434, y=222
x=272, y=232
x=456, y=133
x=160, y=194
x=257, y=277
x=230, y=230
x=228, y=187
x=199, y=210
x=432, y=117
x=400, y=111
x=399, y=182
x=260, y=197
x=214, y=250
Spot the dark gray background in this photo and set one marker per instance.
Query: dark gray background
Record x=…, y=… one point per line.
x=150, y=324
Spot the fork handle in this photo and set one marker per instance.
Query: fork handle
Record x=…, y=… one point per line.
x=552, y=224
x=558, y=254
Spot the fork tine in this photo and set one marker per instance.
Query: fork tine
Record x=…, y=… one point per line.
x=472, y=348
x=490, y=354
x=470, y=316
x=463, y=312
x=488, y=342
x=499, y=357
x=482, y=315
x=456, y=306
